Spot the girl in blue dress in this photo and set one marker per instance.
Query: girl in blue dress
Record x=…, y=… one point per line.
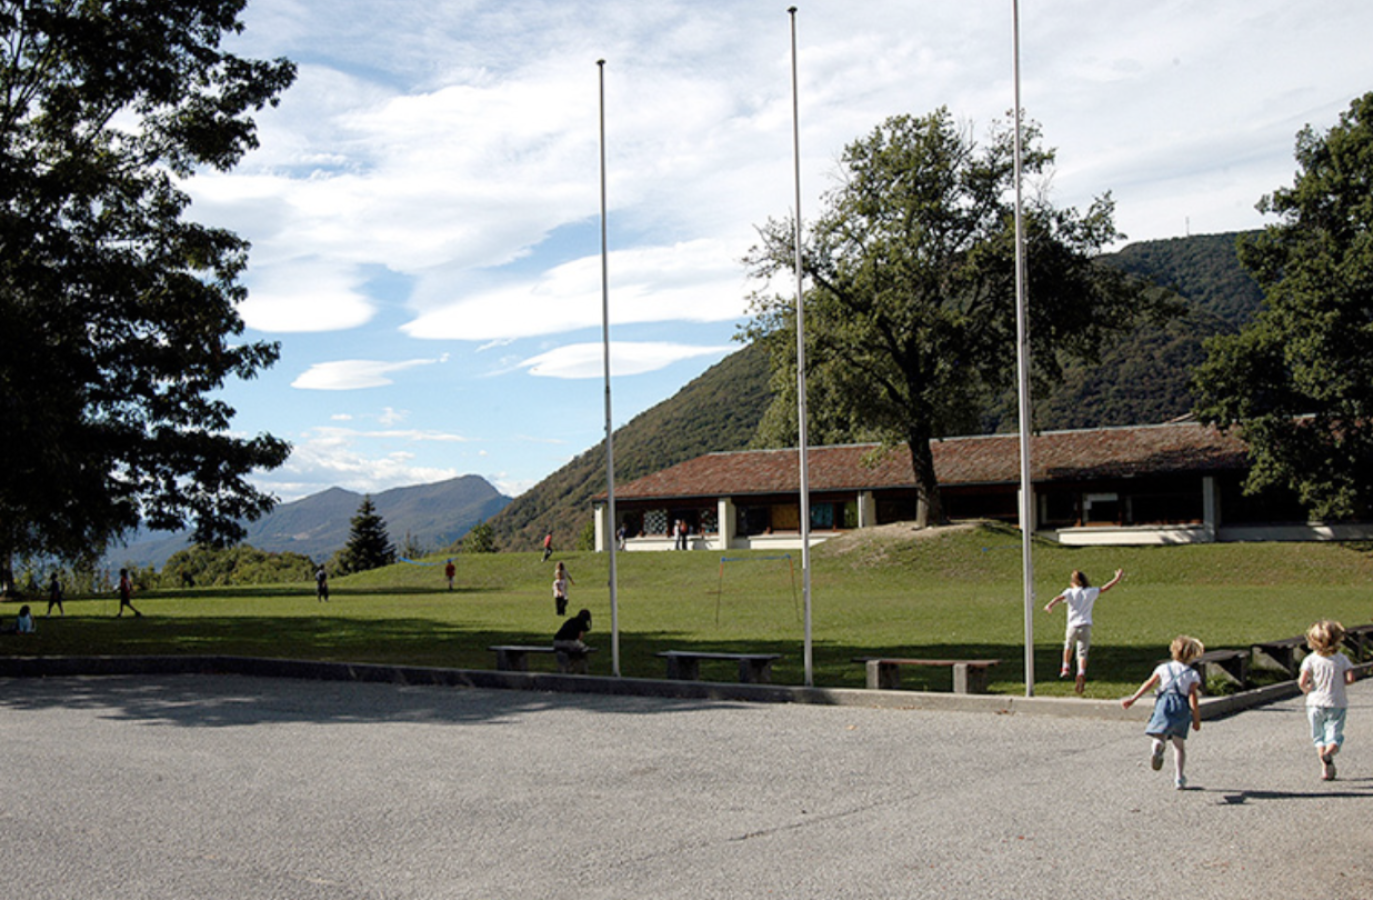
x=1175, y=705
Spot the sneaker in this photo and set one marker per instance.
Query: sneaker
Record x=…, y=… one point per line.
x=1063, y=672
x=1180, y=783
x=1156, y=759
x=1328, y=769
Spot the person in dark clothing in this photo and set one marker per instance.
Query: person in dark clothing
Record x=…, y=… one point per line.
x=572, y=651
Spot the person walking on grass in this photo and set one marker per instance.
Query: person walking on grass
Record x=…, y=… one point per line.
x=125, y=594
x=1324, y=674
x=321, y=585
x=560, y=582
x=450, y=570
x=1080, y=597
x=1175, y=705
x=55, y=595
x=547, y=546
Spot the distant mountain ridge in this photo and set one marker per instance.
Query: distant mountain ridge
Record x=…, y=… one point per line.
x=435, y=515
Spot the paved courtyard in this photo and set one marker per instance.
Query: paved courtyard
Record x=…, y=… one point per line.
x=236, y=788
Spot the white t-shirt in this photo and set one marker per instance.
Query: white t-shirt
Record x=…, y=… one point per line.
x=1172, y=671
x=1080, y=602
x=1327, y=679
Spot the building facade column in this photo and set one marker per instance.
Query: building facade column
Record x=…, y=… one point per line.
x=1210, y=508
x=726, y=526
x=867, y=509
x=602, y=513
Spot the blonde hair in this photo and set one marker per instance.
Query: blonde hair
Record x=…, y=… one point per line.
x=1185, y=648
x=1325, y=637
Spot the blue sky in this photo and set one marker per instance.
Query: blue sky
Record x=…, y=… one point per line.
x=424, y=208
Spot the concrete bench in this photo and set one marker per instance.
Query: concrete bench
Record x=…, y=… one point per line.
x=969, y=675
x=515, y=658
x=685, y=665
x=1285, y=654
x=1232, y=665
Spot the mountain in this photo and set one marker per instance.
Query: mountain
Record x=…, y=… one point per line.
x=719, y=410
x=434, y=515
x=1143, y=377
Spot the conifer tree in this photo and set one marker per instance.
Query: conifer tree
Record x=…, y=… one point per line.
x=369, y=546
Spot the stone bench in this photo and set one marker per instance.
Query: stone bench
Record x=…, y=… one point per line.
x=515, y=658
x=685, y=665
x=969, y=675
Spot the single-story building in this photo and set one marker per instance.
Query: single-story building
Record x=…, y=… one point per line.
x=1178, y=482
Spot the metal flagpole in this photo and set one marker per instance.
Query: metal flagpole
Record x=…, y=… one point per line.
x=1022, y=332
x=611, y=535
x=801, y=362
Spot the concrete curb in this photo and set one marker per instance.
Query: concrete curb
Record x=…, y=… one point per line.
x=1001, y=704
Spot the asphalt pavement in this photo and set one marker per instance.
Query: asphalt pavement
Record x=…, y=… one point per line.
x=210, y=786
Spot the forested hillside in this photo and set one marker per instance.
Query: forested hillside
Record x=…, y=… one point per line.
x=1139, y=380
x=717, y=411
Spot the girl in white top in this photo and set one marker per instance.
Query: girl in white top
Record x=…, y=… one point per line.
x=1323, y=676
x=1175, y=706
x=1080, y=597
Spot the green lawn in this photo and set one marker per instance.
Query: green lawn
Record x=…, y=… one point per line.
x=957, y=594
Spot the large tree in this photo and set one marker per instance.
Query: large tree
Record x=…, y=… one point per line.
x=118, y=315
x=1298, y=380
x=910, y=306
x=369, y=546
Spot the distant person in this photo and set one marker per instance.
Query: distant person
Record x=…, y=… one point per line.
x=1175, y=705
x=680, y=541
x=1324, y=675
x=23, y=623
x=547, y=546
x=449, y=571
x=125, y=594
x=55, y=595
x=620, y=534
x=321, y=585
x=1080, y=597
x=569, y=641
x=561, y=579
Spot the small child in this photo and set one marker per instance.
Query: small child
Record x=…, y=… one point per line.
x=1080, y=597
x=1174, y=705
x=560, y=582
x=1323, y=676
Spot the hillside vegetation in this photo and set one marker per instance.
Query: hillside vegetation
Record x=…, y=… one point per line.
x=1142, y=379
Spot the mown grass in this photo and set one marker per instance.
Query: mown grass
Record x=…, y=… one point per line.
x=954, y=594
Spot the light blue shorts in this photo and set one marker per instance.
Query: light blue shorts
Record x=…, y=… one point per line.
x=1327, y=725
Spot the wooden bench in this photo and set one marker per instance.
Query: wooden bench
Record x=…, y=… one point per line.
x=685, y=665
x=515, y=658
x=1285, y=654
x=1232, y=665
x=1359, y=642
x=969, y=675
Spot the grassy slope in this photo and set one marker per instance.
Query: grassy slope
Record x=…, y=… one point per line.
x=953, y=594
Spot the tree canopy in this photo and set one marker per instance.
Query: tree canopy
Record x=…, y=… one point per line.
x=1298, y=380
x=118, y=315
x=910, y=307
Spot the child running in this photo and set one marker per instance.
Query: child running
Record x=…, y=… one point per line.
x=1174, y=705
x=1324, y=674
x=1080, y=597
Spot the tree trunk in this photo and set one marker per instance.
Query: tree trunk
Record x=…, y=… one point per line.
x=930, y=509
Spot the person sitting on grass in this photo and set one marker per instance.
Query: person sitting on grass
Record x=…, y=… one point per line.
x=23, y=623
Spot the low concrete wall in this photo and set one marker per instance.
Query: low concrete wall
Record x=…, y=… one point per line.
x=46, y=666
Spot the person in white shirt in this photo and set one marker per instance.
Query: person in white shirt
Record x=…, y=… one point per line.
x=1324, y=674
x=1080, y=597
x=1176, y=706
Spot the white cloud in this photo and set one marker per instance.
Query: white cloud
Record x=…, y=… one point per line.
x=353, y=374
x=699, y=281
x=588, y=360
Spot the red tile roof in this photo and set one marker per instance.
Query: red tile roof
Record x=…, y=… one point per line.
x=995, y=459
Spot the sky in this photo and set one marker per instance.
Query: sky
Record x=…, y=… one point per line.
x=424, y=208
